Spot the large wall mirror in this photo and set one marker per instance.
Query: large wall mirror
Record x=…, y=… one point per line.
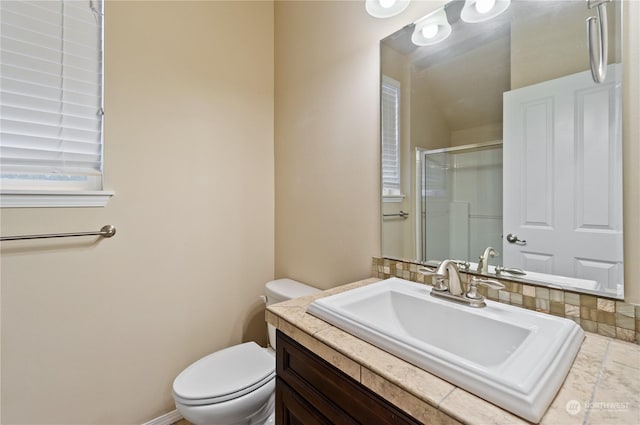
x=502, y=128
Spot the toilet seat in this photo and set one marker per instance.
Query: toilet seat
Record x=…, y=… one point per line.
x=225, y=375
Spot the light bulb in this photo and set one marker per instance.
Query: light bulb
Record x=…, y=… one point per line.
x=430, y=31
x=483, y=6
x=386, y=4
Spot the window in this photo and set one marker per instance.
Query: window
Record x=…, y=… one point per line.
x=51, y=102
x=390, y=111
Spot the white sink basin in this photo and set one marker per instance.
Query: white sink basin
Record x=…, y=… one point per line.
x=512, y=357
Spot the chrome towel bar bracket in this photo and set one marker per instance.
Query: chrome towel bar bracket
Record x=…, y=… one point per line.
x=106, y=232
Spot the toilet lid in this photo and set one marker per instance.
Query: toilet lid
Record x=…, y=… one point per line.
x=225, y=375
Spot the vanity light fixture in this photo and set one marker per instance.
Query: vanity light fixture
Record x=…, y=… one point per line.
x=431, y=29
x=385, y=8
x=475, y=11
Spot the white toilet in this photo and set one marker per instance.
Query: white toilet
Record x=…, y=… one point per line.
x=236, y=385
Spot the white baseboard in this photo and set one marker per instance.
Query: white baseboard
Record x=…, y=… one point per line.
x=166, y=419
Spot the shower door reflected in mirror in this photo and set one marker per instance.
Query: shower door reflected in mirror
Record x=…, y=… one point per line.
x=461, y=200
x=475, y=168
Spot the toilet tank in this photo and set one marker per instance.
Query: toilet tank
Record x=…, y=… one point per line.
x=282, y=290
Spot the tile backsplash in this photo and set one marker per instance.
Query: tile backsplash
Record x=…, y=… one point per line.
x=604, y=316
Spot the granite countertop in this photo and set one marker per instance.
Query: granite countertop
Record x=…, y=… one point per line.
x=602, y=387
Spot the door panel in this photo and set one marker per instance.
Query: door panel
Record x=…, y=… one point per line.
x=562, y=179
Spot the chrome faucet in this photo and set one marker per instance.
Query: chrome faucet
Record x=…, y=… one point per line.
x=448, y=269
x=447, y=284
x=483, y=261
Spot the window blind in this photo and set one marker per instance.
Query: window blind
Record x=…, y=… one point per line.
x=51, y=91
x=390, y=101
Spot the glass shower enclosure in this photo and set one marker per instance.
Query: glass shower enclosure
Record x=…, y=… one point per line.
x=460, y=193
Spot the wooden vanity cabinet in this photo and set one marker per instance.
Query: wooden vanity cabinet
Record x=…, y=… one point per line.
x=311, y=391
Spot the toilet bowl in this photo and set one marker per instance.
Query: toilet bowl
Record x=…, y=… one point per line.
x=236, y=385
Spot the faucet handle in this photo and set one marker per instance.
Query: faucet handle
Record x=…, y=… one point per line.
x=473, y=287
x=462, y=265
x=437, y=281
x=518, y=272
x=427, y=270
x=438, y=284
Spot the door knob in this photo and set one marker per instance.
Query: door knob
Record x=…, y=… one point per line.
x=511, y=238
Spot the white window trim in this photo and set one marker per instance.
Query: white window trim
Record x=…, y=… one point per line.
x=53, y=199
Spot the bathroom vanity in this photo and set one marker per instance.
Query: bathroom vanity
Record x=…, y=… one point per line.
x=326, y=376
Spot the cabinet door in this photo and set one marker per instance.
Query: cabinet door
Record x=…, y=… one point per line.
x=292, y=409
x=309, y=390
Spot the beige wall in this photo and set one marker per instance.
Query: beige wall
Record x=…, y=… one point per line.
x=480, y=134
x=95, y=333
x=326, y=137
x=529, y=44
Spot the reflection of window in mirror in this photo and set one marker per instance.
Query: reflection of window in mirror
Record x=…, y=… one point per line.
x=390, y=112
